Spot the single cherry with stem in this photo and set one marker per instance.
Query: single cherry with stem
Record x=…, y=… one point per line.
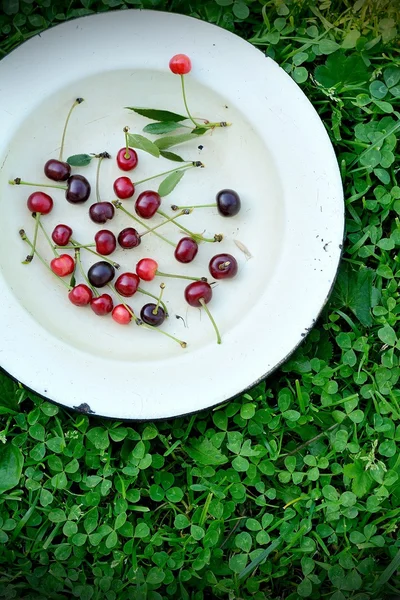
x=58, y=170
x=63, y=265
x=199, y=294
x=181, y=65
x=77, y=189
x=223, y=266
x=118, y=205
x=154, y=314
x=127, y=158
x=100, y=274
x=25, y=238
x=147, y=204
x=80, y=295
x=186, y=250
x=147, y=269
x=127, y=284
x=228, y=204
x=101, y=211
x=122, y=314
x=39, y=204
x=105, y=242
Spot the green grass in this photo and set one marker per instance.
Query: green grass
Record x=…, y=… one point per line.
x=293, y=490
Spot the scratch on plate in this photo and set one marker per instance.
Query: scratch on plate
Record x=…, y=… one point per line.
x=99, y=119
x=4, y=161
x=243, y=248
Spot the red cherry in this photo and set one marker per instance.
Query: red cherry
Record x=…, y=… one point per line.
x=57, y=170
x=102, y=305
x=127, y=164
x=196, y=291
x=147, y=269
x=223, y=266
x=127, y=284
x=129, y=238
x=180, y=64
x=63, y=265
x=186, y=250
x=80, y=295
x=61, y=234
x=124, y=188
x=105, y=242
x=40, y=202
x=147, y=204
x=121, y=314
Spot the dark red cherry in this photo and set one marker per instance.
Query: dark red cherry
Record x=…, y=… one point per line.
x=186, y=250
x=196, y=291
x=147, y=204
x=61, y=234
x=228, y=203
x=78, y=189
x=124, y=188
x=223, y=266
x=127, y=164
x=57, y=170
x=100, y=274
x=80, y=295
x=129, y=238
x=102, y=305
x=40, y=202
x=100, y=212
x=127, y=284
x=105, y=242
x=148, y=316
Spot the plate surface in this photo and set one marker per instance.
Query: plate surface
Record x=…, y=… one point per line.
x=277, y=155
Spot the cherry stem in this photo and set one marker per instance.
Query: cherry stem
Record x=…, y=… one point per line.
x=27, y=240
x=111, y=262
x=175, y=207
x=46, y=235
x=127, y=153
x=18, y=181
x=196, y=124
x=155, y=310
x=224, y=265
x=188, y=166
x=204, y=305
x=75, y=246
x=98, y=178
x=183, y=212
x=82, y=270
x=29, y=258
x=118, y=205
x=160, y=274
x=146, y=293
x=77, y=101
x=217, y=238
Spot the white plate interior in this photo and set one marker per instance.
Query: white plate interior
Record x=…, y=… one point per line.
x=276, y=155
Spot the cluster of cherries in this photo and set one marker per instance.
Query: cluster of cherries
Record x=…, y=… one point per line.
x=102, y=273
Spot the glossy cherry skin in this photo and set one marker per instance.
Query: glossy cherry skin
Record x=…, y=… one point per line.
x=100, y=212
x=180, y=64
x=147, y=204
x=123, y=188
x=80, y=295
x=228, y=203
x=127, y=164
x=63, y=265
x=121, y=315
x=102, y=305
x=196, y=291
x=147, y=315
x=129, y=238
x=219, y=267
x=57, y=170
x=127, y=284
x=186, y=250
x=147, y=269
x=78, y=189
x=101, y=273
x=61, y=234
x=105, y=242
x=40, y=202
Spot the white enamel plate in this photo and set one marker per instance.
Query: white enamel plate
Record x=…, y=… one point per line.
x=276, y=155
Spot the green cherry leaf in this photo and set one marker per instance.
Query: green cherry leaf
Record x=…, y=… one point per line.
x=171, y=156
x=161, y=127
x=173, y=140
x=142, y=143
x=79, y=160
x=170, y=183
x=157, y=115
